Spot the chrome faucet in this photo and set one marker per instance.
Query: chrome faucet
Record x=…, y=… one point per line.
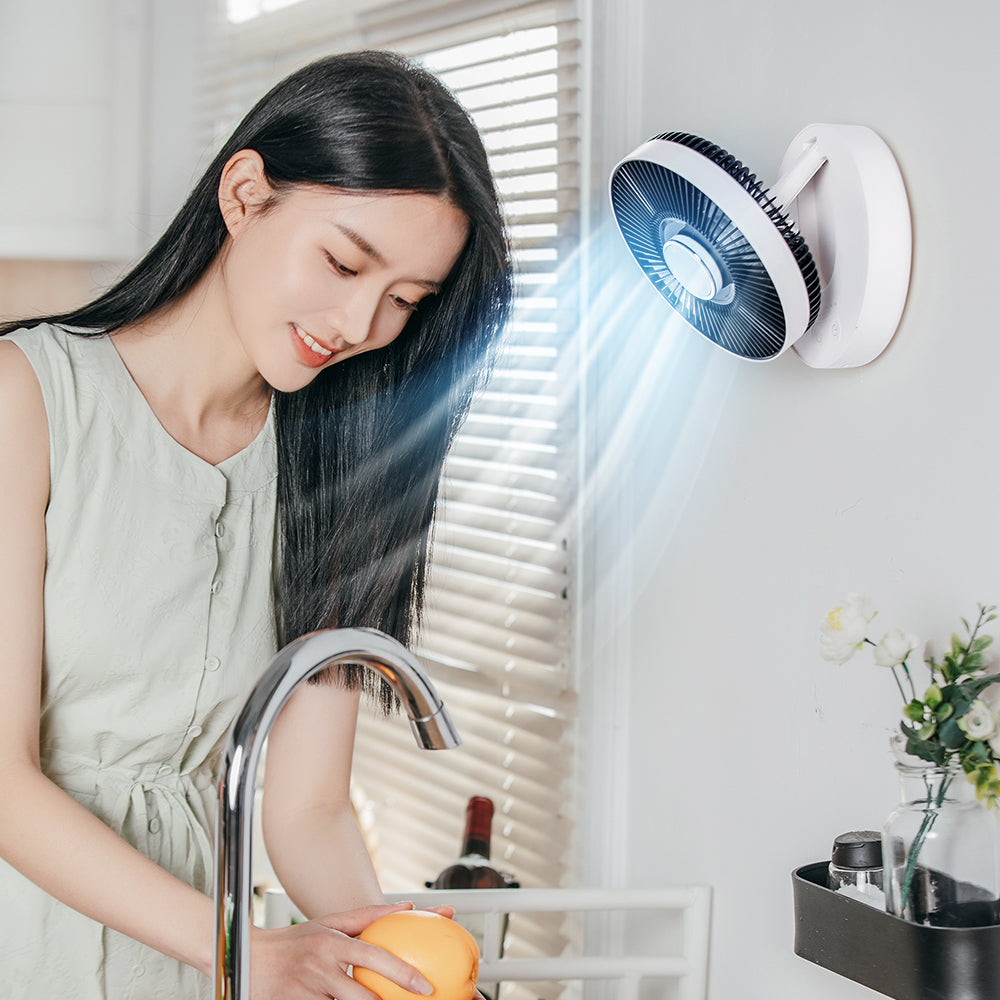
x=295, y=663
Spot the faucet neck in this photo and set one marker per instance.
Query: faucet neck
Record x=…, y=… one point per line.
x=294, y=664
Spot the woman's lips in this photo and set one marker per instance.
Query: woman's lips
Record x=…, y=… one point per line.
x=309, y=351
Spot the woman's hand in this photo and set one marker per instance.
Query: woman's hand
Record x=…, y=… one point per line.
x=310, y=960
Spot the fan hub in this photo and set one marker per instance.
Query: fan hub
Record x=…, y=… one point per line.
x=693, y=265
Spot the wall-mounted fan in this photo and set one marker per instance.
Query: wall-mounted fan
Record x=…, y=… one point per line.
x=820, y=261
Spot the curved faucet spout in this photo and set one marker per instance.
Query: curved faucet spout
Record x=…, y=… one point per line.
x=295, y=663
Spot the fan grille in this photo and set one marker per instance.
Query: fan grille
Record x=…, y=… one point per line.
x=749, y=320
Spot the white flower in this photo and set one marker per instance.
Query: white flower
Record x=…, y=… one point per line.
x=978, y=723
x=991, y=697
x=844, y=629
x=894, y=647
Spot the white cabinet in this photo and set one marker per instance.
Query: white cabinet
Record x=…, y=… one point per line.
x=72, y=86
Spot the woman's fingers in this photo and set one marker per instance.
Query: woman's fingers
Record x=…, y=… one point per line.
x=376, y=959
x=353, y=922
x=370, y=956
x=310, y=961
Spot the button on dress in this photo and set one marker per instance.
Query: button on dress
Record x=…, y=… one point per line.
x=158, y=620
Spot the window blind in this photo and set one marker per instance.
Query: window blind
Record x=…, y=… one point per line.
x=497, y=628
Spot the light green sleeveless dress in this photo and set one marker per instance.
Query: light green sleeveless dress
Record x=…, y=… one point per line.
x=158, y=619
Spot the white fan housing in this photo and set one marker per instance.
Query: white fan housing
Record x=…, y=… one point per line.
x=820, y=261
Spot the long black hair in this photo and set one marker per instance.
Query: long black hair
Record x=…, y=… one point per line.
x=360, y=449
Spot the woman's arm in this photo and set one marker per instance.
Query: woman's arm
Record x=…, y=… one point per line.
x=312, y=836
x=57, y=843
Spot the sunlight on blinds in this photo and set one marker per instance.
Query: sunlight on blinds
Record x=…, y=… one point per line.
x=497, y=628
x=496, y=632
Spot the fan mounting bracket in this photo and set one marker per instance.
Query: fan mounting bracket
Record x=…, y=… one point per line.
x=854, y=216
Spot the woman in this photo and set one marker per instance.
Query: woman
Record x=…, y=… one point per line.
x=239, y=443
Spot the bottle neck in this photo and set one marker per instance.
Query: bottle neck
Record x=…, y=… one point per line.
x=478, y=824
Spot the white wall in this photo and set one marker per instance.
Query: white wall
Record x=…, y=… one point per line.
x=742, y=514
x=97, y=111
x=178, y=30
x=72, y=91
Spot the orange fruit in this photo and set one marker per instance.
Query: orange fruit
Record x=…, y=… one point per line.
x=445, y=953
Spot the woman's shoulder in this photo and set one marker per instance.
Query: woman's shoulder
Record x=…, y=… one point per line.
x=43, y=346
x=58, y=354
x=21, y=400
x=43, y=338
x=24, y=451
x=51, y=370
x=14, y=364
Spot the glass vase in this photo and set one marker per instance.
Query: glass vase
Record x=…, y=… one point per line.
x=941, y=850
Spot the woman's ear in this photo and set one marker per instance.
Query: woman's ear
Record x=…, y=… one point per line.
x=243, y=188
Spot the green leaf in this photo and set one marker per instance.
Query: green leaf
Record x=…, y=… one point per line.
x=949, y=669
x=951, y=735
x=924, y=749
x=946, y=711
x=927, y=730
x=957, y=646
x=972, y=662
x=973, y=687
x=932, y=697
x=960, y=697
x=982, y=642
x=914, y=711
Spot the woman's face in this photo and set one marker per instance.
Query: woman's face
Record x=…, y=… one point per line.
x=323, y=275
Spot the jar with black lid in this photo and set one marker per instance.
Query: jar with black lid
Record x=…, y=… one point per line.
x=856, y=866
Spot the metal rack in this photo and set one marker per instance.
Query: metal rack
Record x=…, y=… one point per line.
x=688, y=967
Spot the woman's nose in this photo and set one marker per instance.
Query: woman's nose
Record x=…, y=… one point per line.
x=354, y=319
x=353, y=333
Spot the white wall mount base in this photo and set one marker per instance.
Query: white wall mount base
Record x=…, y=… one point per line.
x=854, y=215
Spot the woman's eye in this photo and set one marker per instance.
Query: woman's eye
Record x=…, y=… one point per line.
x=340, y=268
x=401, y=303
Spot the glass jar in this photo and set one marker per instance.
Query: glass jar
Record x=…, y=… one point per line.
x=941, y=850
x=856, y=866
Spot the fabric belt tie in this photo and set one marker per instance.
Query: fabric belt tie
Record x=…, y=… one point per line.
x=137, y=803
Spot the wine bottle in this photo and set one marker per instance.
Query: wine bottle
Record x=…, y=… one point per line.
x=473, y=869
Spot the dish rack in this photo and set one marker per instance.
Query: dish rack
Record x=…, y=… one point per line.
x=682, y=961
